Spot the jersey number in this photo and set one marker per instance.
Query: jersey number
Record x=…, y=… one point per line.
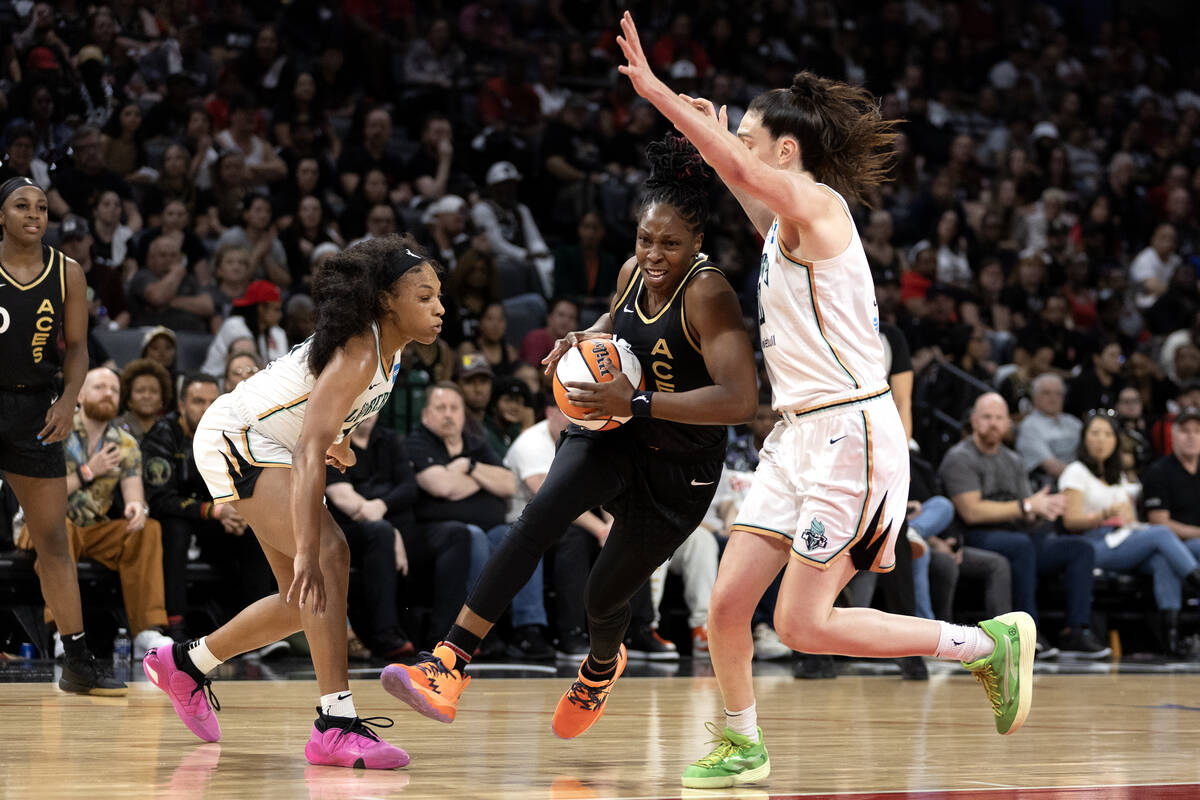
x=4, y=320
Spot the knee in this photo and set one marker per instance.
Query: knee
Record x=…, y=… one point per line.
x=728, y=607
x=799, y=629
x=335, y=555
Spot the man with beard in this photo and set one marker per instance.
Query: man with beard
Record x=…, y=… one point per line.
x=180, y=500
x=100, y=456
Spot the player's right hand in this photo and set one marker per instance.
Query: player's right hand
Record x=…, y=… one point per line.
x=308, y=584
x=566, y=343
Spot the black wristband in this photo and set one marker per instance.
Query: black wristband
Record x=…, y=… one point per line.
x=639, y=404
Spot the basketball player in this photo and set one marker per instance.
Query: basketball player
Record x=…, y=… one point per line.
x=43, y=293
x=264, y=447
x=830, y=490
x=656, y=474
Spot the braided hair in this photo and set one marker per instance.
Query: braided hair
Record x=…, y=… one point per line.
x=680, y=178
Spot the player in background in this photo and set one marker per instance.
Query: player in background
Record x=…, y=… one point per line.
x=44, y=294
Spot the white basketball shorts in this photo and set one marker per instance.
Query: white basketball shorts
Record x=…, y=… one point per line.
x=231, y=455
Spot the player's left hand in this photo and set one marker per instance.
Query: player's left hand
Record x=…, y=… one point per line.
x=340, y=456
x=608, y=399
x=58, y=422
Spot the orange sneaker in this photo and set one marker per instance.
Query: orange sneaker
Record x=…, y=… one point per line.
x=700, y=642
x=584, y=702
x=431, y=686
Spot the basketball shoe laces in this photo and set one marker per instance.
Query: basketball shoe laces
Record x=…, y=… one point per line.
x=991, y=684
x=358, y=725
x=725, y=747
x=587, y=697
x=205, y=687
x=434, y=668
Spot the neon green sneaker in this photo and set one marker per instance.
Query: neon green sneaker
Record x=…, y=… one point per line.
x=734, y=760
x=1007, y=674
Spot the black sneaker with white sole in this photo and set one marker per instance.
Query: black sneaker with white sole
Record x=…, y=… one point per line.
x=528, y=642
x=1082, y=643
x=572, y=645
x=644, y=642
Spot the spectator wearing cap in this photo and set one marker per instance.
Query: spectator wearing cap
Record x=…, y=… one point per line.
x=20, y=160
x=159, y=345
x=521, y=253
x=263, y=164
x=444, y=230
x=1162, y=433
x=85, y=176
x=108, y=303
x=1171, y=485
x=509, y=413
x=475, y=379
x=574, y=162
x=259, y=235
x=1047, y=437
x=255, y=316
x=164, y=293
x=490, y=341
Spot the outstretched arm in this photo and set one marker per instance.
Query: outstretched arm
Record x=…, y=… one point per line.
x=789, y=195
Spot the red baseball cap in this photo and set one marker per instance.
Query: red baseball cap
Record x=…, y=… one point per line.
x=258, y=292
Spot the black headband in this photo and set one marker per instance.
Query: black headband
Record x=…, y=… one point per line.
x=401, y=262
x=12, y=184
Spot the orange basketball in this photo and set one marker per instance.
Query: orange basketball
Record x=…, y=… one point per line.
x=596, y=361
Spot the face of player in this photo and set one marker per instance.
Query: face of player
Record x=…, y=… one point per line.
x=665, y=248
x=24, y=215
x=758, y=140
x=415, y=304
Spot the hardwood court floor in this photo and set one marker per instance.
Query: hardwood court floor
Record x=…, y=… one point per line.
x=856, y=736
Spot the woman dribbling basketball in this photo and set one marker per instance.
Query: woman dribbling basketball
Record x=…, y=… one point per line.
x=656, y=474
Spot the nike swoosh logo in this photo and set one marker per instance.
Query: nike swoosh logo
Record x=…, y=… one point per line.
x=956, y=643
x=627, y=310
x=373, y=385
x=344, y=696
x=641, y=397
x=838, y=439
x=701, y=483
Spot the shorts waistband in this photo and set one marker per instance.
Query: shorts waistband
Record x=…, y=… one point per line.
x=795, y=417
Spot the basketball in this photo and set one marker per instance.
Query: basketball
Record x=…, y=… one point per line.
x=597, y=361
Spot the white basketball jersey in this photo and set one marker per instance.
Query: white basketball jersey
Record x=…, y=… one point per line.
x=819, y=326
x=272, y=401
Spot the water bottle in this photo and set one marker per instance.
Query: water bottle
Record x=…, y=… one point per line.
x=122, y=650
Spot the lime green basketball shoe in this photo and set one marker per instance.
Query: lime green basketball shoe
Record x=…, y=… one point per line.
x=735, y=760
x=1007, y=674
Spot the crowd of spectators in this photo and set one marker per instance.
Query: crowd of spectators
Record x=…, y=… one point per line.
x=1039, y=240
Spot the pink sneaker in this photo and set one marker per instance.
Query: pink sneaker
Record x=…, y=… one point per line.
x=186, y=695
x=343, y=742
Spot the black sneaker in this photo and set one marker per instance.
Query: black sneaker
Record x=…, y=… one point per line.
x=492, y=647
x=645, y=643
x=84, y=676
x=529, y=642
x=572, y=645
x=1083, y=643
x=912, y=668
x=1045, y=650
x=812, y=667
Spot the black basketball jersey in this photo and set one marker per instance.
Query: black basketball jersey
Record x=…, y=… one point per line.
x=30, y=322
x=671, y=361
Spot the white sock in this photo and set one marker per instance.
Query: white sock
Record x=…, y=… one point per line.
x=338, y=704
x=744, y=722
x=963, y=642
x=202, y=657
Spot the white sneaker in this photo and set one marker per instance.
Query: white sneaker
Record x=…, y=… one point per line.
x=767, y=645
x=148, y=639
x=59, y=650
x=919, y=547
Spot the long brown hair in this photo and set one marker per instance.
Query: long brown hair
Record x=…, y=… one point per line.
x=844, y=142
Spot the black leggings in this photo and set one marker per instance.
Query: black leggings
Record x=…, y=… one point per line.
x=589, y=472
